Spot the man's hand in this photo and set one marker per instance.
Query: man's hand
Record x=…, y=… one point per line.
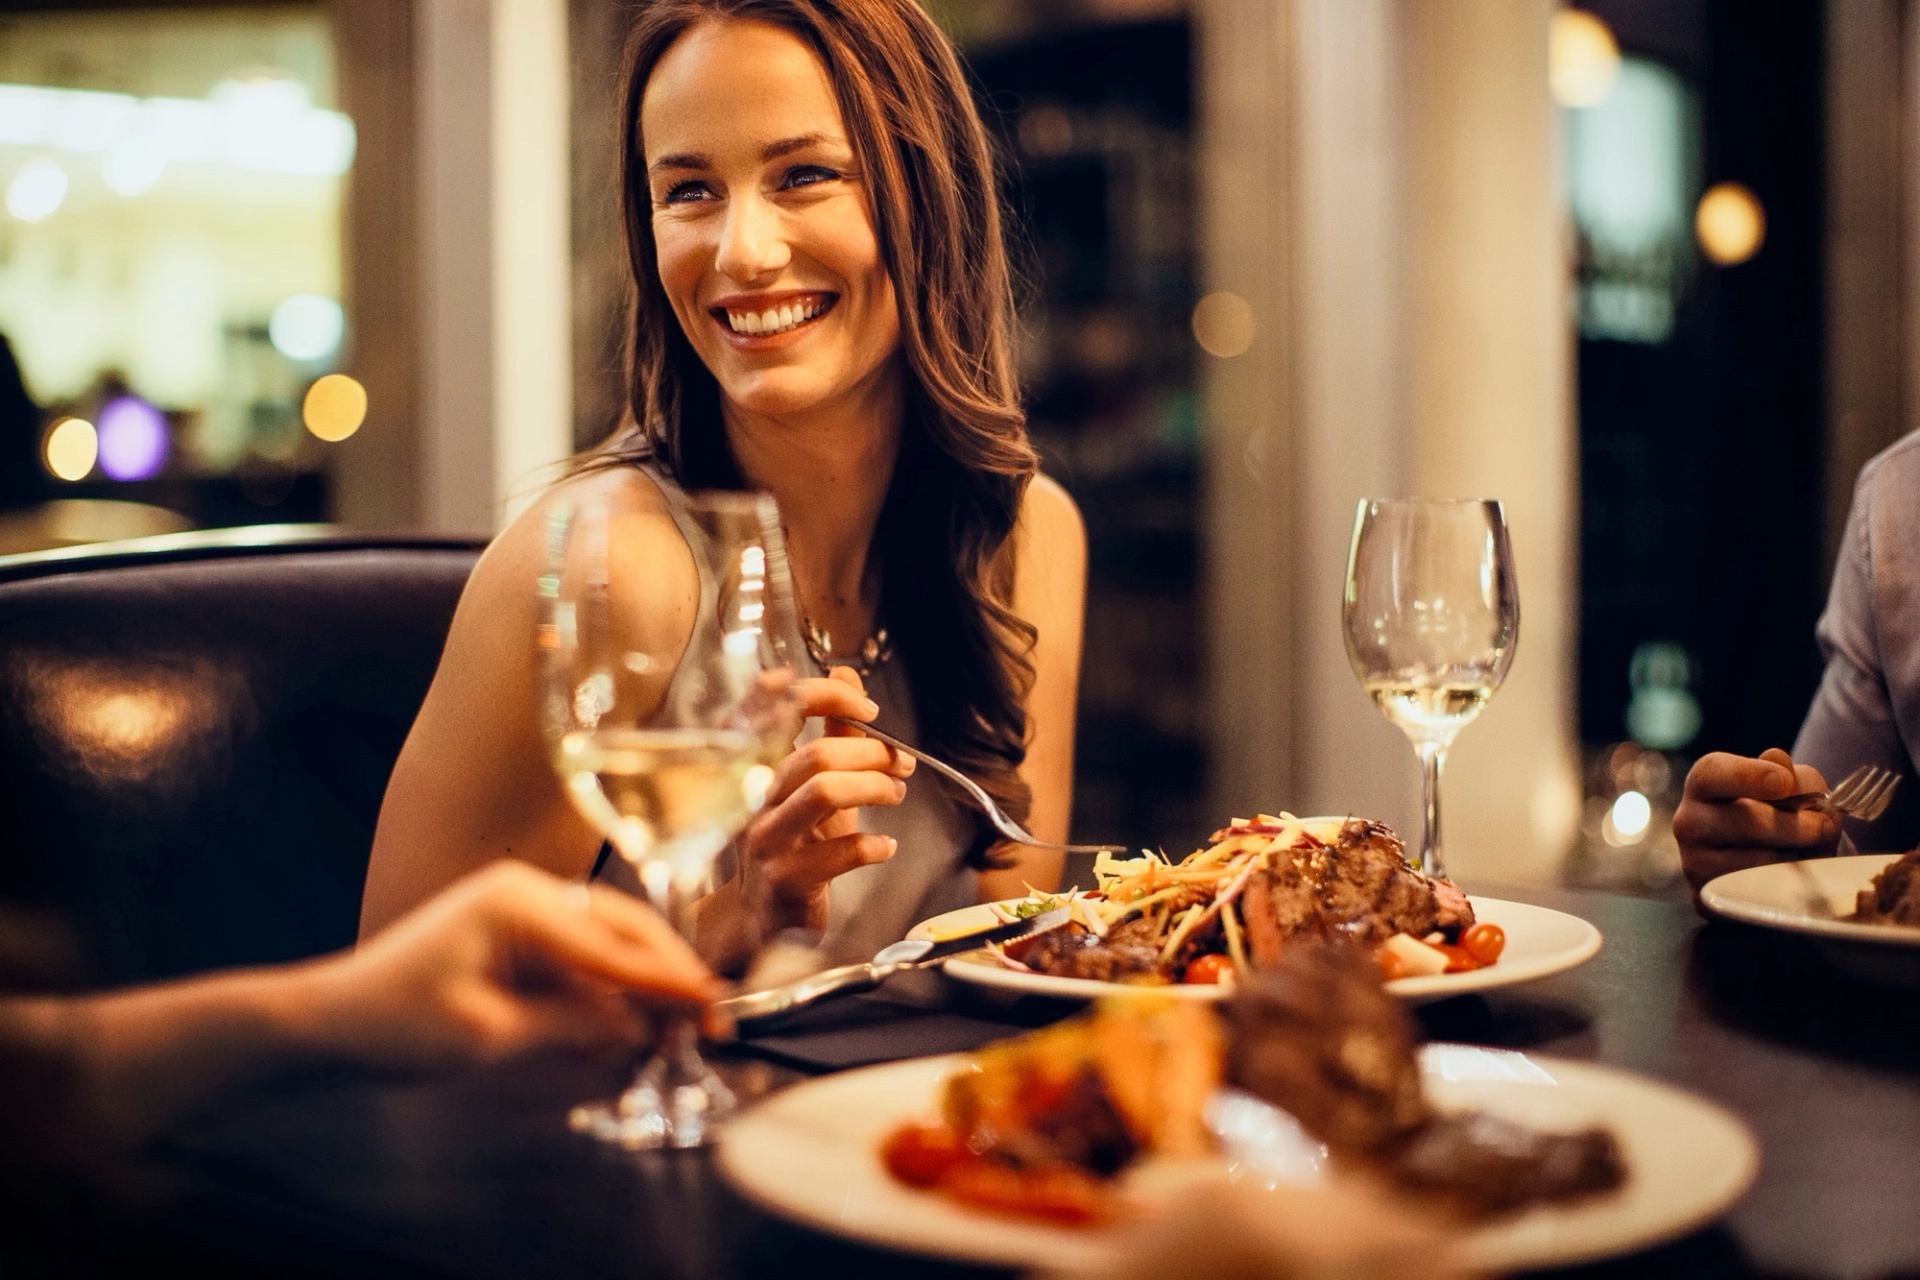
x=1726, y=823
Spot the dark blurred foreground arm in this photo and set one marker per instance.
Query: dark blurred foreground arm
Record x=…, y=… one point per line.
x=505, y=961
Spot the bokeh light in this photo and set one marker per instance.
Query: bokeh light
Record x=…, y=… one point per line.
x=133, y=439
x=72, y=448
x=1627, y=820
x=37, y=191
x=1730, y=223
x=1583, y=59
x=132, y=167
x=307, y=327
x=335, y=407
x=1223, y=324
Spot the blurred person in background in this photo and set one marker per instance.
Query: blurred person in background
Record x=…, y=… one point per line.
x=507, y=961
x=1865, y=712
x=821, y=309
x=23, y=481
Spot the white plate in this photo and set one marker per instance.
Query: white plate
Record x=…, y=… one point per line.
x=1807, y=898
x=1540, y=941
x=811, y=1153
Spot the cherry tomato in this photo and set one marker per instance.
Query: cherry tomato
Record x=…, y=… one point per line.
x=1484, y=942
x=922, y=1155
x=1459, y=959
x=1391, y=965
x=1208, y=968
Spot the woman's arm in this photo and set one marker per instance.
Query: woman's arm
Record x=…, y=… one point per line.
x=474, y=782
x=1049, y=591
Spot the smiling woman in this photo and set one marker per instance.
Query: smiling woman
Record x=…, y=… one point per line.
x=821, y=308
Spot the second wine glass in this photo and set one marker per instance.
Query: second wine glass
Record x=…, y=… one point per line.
x=663, y=740
x=1432, y=615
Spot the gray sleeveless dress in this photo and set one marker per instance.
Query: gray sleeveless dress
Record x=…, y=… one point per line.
x=870, y=906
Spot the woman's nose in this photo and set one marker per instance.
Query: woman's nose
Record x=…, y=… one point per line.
x=752, y=245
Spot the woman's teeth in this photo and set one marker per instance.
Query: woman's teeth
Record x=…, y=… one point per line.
x=775, y=319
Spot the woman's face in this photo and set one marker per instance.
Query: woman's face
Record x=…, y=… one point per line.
x=761, y=221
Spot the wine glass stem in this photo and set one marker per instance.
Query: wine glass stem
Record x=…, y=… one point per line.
x=1433, y=757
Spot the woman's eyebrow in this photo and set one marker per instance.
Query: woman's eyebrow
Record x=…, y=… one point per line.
x=681, y=160
x=800, y=142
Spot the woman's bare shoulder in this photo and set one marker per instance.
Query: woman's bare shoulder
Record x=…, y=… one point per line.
x=1050, y=520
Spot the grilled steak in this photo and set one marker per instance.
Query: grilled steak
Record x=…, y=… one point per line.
x=1318, y=1037
x=1359, y=886
x=1072, y=952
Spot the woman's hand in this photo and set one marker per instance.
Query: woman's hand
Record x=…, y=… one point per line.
x=507, y=960
x=1726, y=823
x=808, y=832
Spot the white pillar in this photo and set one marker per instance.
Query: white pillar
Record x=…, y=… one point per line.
x=496, y=368
x=1378, y=181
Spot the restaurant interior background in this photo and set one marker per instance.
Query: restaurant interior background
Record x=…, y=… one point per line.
x=1640, y=269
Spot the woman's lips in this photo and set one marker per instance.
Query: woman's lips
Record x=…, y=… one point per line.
x=762, y=324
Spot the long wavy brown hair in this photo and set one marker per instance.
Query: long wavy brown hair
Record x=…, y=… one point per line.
x=965, y=461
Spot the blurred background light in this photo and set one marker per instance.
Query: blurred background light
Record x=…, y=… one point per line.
x=132, y=166
x=36, y=191
x=335, y=407
x=265, y=124
x=133, y=439
x=72, y=449
x=307, y=327
x=1223, y=324
x=1627, y=821
x=1730, y=223
x=1583, y=59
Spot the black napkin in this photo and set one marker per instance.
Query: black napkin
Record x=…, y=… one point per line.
x=863, y=1030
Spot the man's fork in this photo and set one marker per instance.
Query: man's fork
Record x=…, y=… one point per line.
x=1002, y=823
x=1864, y=794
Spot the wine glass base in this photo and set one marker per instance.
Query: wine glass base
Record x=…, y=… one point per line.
x=650, y=1117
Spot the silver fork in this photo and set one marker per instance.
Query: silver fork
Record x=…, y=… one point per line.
x=1001, y=822
x=1864, y=794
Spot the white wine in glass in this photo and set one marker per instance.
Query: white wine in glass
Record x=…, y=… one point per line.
x=664, y=742
x=1432, y=615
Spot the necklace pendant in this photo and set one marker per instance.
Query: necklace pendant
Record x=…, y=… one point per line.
x=871, y=656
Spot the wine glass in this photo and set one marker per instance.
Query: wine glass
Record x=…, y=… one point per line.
x=1432, y=614
x=667, y=751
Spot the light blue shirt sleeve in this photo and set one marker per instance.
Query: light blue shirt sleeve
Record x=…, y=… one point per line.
x=1867, y=707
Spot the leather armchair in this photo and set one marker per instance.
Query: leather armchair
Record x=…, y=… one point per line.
x=196, y=734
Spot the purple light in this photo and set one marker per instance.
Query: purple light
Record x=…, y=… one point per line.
x=133, y=439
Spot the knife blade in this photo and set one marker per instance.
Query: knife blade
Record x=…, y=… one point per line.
x=897, y=957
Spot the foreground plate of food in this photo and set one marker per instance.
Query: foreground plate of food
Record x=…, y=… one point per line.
x=820, y=1152
x=1191, y=927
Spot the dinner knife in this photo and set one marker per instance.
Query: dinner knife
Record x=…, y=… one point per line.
x=895, y=958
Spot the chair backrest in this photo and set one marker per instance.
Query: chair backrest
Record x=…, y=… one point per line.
x=196, y=734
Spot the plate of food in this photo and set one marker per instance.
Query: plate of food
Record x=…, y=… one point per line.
x=1191, y=928
x=1864, y=909
x=1064, y=1144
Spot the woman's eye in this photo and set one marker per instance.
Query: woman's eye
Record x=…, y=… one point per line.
x=807, y=175
x=685, y=193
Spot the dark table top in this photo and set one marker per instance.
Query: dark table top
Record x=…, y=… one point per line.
x=479, y=1176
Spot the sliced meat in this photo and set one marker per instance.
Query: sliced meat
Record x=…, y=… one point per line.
x=1894, y=895
x=1264, y=933
x=1065, y=953
x=1484, y=1165
x=1359, y=887
x=1317, y=1036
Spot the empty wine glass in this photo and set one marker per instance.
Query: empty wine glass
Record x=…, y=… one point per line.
x=1432, y=614
x=666, y=750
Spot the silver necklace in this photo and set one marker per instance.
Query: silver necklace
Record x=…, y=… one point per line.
x=871, y=656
